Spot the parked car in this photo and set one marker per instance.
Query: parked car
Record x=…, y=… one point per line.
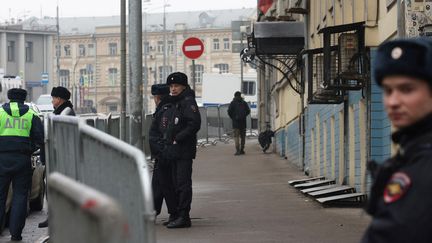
x=44, y=104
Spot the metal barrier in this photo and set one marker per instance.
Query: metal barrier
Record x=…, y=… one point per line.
x=106, y=164
x=78, y=213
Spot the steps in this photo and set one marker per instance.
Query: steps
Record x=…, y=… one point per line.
x=327, y=193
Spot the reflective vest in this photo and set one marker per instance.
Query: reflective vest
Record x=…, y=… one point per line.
x=15, y=125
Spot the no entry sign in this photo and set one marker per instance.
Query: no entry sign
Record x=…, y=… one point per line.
x=193, y=48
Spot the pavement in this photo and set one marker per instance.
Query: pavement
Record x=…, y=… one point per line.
x=247, y=198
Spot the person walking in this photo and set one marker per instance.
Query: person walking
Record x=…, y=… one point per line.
x=21, y=133
x=62, y=106
x=179, y=127
x=162, y=179
x=238, y=110
x=400, y=200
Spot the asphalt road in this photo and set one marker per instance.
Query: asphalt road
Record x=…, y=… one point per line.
x=247, y=199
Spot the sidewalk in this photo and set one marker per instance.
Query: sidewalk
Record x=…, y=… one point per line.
x=247, y=199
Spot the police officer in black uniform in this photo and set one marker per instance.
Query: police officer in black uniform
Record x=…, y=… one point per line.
x=179, y=126
x=162, y=180
x=21, y=132
x=401, y=198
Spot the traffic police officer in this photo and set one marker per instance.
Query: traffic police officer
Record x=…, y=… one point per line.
x=21, y=131
x=162, y=180
x=179, y=127
x=401, y=199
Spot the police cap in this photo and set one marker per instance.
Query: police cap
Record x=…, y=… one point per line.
x=17, y=94
x=408, y=57
x=160, y=89
x=60, y=92
x=177, y=78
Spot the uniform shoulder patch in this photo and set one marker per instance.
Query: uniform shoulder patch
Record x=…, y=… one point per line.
x=397, y=186
x=194, y=108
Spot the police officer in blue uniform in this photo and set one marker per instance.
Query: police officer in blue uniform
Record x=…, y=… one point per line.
x=401, y=199
x=162, y=180
x=21, y=132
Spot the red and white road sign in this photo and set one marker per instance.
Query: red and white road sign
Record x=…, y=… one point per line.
x=193, y=48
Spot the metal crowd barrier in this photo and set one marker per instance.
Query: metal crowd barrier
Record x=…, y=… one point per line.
x=107, y=164
x=78, y=213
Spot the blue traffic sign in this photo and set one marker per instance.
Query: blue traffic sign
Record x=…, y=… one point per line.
x=44, y=78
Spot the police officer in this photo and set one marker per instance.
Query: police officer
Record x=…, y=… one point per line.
x=162, y=180
x=179, y=127
x=21, y=131
x=62, y=106
x=401, y=199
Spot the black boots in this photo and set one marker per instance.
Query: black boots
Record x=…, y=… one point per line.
x=180, y=222
x=171, y=218
x=43, y=224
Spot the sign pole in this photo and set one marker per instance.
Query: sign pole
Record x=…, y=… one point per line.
x=193, y=74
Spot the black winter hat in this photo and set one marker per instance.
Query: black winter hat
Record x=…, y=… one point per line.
x=177, y=78
x=60, y=92
x=408, y=57
x=160, y=89
x=237, y=94
x=17, y=94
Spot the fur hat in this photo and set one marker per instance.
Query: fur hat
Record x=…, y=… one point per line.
x=160, y=89
x=408, y=57
x=177, y=78
x=17, y=94
x=237, y=94
x=60, y=92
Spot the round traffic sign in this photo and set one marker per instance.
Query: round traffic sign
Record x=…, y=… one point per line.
x=193, y=48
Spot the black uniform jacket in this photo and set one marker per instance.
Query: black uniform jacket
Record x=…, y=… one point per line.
x=63, y=106
x=156, y=141
x=238, y=110
x=401, y=195
x=20, y=144
x=180, y=123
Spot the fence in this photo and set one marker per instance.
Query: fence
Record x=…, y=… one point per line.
x=107, y=164
x=95, y=216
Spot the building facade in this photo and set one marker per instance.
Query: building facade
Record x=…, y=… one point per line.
x=90, y=55
x=26, y=51
x=335, y=121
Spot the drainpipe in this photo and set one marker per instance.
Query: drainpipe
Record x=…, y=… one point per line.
x=401, y=18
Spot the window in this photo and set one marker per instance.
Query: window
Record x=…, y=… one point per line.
x=248, y=87
x=199, y=70
x=90, y=74
x=91, y=49
x=160, y=46
x=112, y=107
x=64, y=78
x=168, y=70
x=146, y=48
x=226, y=43
x=29, y=51
x=113, y=49
x=223, y=67
x=83, y=77
x=112, y=76
x=215, y=44
x=11, y=51
x=57, y=50
x=67, y=50
x=171, y=47
x=81, y=50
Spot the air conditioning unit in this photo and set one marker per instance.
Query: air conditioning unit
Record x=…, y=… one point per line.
x=297, y=6
x=348, y=48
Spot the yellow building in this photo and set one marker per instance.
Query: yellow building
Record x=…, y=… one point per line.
x=90, y=52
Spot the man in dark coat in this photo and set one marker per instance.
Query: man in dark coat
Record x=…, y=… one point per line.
x=162, y=179
x=60, y=100
x=21, y=132
x=179, y=127
x=62, y=106
x=401, y=199
x=238, y=110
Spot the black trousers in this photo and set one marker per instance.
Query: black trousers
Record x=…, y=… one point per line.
x=163, y=187
x=183, y=185
x=15, y=168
